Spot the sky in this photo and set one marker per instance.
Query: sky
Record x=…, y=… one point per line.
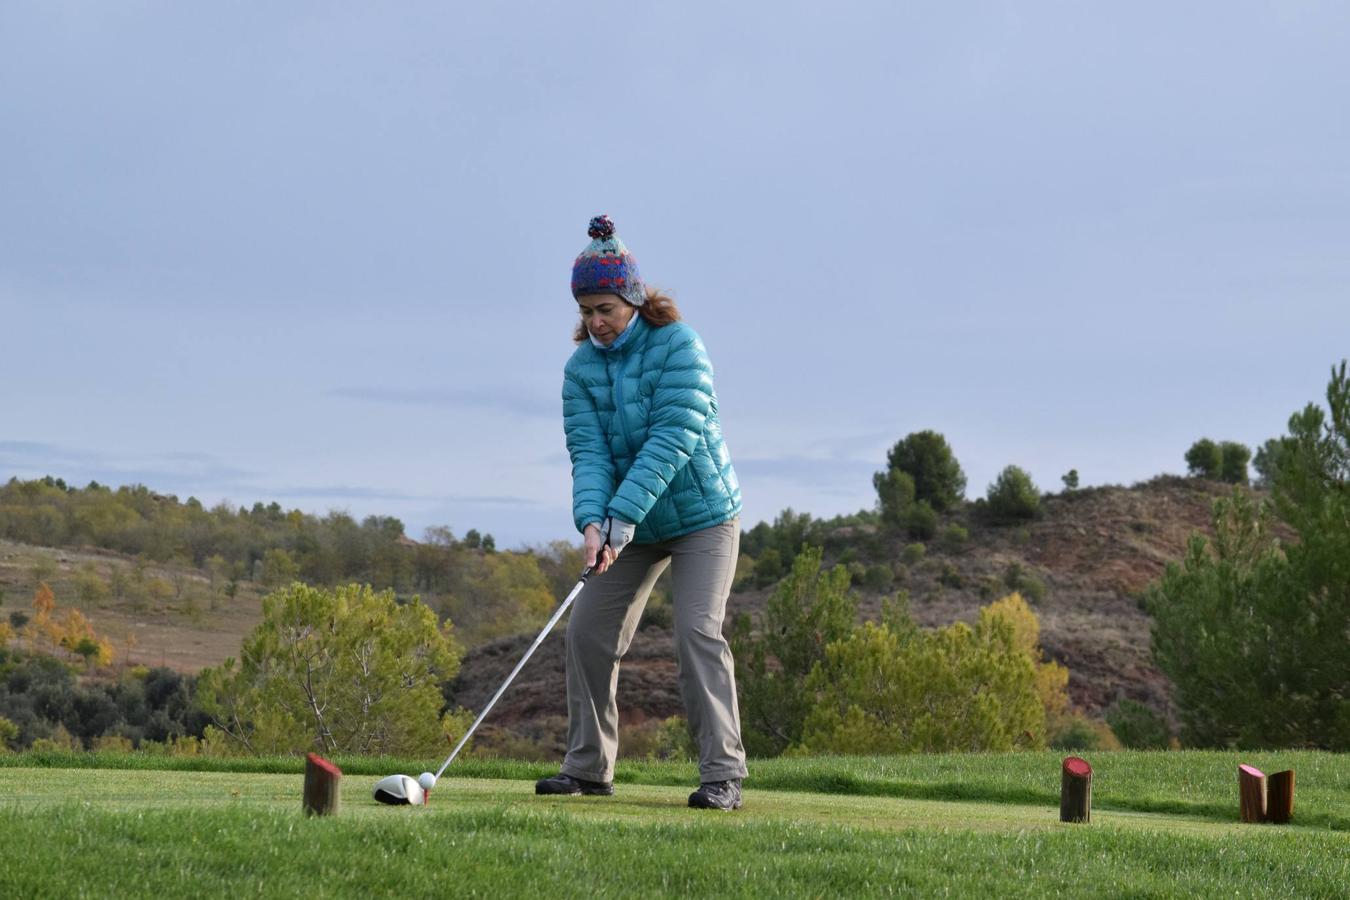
x=319, y=253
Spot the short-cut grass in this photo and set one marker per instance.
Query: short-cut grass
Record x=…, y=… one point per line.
x=1165, y=824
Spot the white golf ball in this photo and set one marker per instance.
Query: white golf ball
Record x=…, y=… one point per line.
x=427, y=781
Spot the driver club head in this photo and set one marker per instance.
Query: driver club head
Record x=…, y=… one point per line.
x=400, y=790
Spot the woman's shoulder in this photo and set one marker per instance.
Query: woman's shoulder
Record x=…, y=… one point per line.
x=677, y=334
x=583, y=357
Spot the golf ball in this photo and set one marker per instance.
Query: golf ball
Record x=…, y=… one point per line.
x=427, y=781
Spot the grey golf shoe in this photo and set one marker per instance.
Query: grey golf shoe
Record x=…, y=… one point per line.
x=724, y=795
x=566, y=784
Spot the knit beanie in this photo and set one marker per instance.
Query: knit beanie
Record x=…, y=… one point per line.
x=606, y=266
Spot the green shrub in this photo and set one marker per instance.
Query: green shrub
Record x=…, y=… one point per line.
x=1204, y=459
x=90, y=586
x=675, y=740
x=745, y=572
x=347, y=669
x=950, y=576
x=1017, y=578
x=879, y=578
x=954, y=536
x=9, y=735
x=1137, y=727
x=928, y=460
x=768, y=568
x=1070, y=480
x=1079, y=733
x=1267, y=456
x=921, y=520
x=809, y=609
x=895, y=494
x=1012, y=497
x=1235, y=456
x=913, y=553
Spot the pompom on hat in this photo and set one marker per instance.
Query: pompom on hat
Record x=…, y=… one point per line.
x=606, y=266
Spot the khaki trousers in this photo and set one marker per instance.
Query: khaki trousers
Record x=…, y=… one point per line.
x=604, y=619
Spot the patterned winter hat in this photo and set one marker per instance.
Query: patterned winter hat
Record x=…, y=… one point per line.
x=606, y=266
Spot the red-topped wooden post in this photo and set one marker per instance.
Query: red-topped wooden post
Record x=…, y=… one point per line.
x=1280, y=797
x=323, y=782
x=1251, y=794
x=1075, y=791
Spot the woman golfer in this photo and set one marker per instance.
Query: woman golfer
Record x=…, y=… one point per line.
x=652, y=486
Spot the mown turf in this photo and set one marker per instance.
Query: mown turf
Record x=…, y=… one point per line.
x=1194, y=783
x=987, y=826
x=568, y=847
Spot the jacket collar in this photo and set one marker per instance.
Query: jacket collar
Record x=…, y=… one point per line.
x=635, y=327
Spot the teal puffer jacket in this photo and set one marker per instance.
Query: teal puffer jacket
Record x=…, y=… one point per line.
x=642, y=429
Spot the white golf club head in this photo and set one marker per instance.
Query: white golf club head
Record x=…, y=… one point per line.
x=400, y=790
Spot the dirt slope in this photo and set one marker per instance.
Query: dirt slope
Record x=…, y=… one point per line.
x=1094, y=551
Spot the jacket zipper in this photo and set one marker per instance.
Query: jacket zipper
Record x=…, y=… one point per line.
x=618, y=402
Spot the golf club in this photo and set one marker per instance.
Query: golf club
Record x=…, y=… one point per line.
x=399, y=790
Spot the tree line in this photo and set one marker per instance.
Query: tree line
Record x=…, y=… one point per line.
x=136, y=521
x=1253, y=626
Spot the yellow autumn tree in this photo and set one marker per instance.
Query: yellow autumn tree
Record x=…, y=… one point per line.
x=41, y=626
x=1052, y=679
x=78, y=637
x=892, y=687
x=68, y=629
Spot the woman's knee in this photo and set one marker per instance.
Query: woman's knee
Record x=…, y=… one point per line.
x=700, y=639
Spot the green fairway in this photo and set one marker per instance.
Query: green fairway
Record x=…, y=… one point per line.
x=173, y=832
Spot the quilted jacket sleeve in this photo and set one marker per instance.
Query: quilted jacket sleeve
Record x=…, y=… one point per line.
x=681, y=404
x=592, y=464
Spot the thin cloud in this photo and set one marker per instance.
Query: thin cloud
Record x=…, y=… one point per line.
x=836, y=476
x=516, y=402
x=340, y=492
x=356, y=492
x=164, y=471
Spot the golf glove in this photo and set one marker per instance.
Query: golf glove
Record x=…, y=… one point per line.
x=620, y=534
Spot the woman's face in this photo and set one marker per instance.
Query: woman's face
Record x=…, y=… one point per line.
x=605, y=316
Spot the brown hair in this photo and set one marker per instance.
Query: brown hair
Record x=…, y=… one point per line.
x=660, y=309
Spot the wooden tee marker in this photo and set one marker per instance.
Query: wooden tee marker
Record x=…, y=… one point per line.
x=1265, y=799
x=323, y=784
x=1280, y=797
x=1075, y=791
x=1251, y=794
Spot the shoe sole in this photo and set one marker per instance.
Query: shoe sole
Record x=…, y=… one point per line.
x=734, y=806
x=580, y=793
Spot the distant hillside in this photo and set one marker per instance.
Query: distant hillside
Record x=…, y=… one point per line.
x=168, y=615
x=1093, y=551
x=1083, y=564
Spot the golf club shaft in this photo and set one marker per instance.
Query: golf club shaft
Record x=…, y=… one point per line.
x=514, y=672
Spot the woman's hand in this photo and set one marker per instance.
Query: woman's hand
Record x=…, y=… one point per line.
x=599, y=556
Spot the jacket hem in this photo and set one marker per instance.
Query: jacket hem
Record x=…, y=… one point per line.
x=670, y=536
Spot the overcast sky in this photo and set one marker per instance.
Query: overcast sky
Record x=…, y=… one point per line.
x=319, y=252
